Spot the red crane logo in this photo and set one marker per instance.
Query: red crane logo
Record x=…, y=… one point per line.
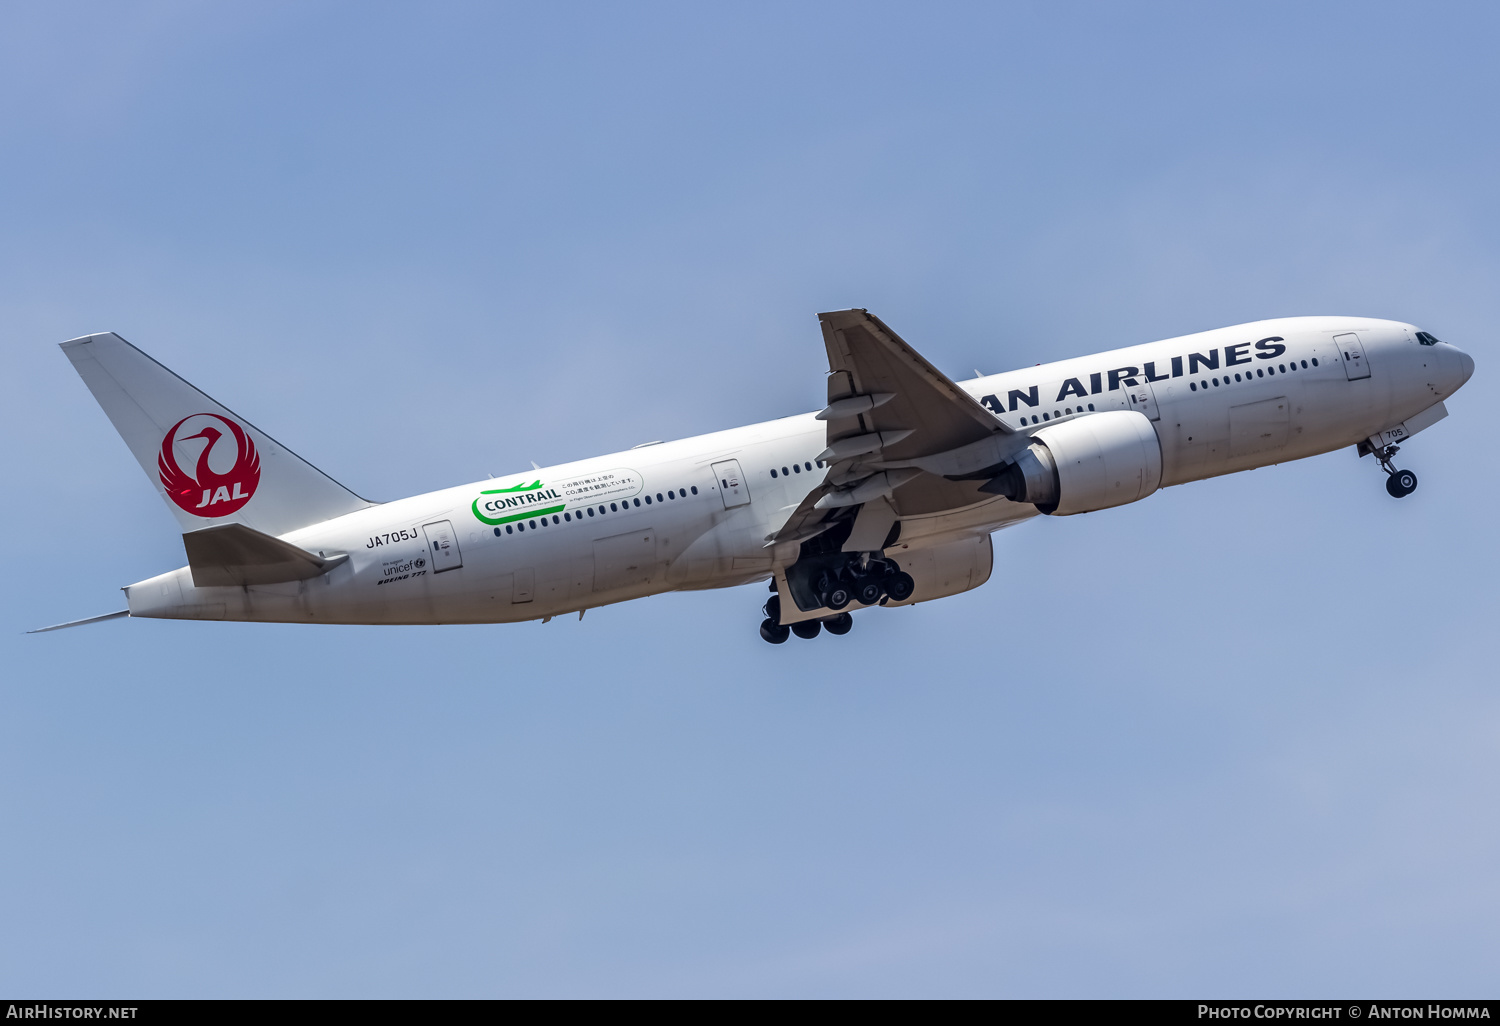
x=207, y=493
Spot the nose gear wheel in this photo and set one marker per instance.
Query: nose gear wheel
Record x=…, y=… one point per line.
x=1398, y=483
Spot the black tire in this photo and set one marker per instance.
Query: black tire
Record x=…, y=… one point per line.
x=774, y=632
x=837, y=597
x=772, y=609
x=869, y=592
x=807, y=629
x=1405, y=480
x=900, y=587
x=841, y=624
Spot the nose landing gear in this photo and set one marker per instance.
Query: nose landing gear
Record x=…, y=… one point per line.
x=1398, y=483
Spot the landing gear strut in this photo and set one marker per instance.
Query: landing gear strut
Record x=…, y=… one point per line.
x=1398, y=483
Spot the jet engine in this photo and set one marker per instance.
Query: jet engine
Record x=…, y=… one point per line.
x=1076, y=466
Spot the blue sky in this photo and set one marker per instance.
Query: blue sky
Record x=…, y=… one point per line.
x=1239, y=738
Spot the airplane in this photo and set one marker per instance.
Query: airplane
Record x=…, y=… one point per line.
x=886, y=497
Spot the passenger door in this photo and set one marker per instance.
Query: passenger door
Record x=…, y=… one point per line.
x=731, y=484
x=1356, y=364
x=1141, y=397
x=443, y=544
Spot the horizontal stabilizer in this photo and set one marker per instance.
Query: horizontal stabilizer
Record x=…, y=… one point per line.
x=233, y=555
x=80, y=623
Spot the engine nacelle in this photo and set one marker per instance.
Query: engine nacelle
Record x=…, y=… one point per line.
x=946, y=569
x=1093, y=462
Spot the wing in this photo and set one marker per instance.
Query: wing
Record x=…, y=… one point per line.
x=898, y=428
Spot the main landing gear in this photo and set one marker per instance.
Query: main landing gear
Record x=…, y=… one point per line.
x=1398, y=483
x=867, y=583
x=774, y=631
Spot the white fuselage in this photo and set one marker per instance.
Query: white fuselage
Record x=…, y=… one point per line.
x=658, y=518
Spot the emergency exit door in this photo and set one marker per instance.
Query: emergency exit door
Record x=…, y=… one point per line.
x=1356, y=364
x=731, y=484
x=443, y=544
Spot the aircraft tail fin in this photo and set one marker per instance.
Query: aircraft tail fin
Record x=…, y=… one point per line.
x=209, y=464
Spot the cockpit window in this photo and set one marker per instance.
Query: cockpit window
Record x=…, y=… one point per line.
x=1426, y=339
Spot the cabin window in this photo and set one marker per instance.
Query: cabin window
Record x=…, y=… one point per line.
x=808, y=466
x=658, y=497
x=773, y=471
x=612, y=508
x=1193, y=385
x=695, y=489
x=1315, y=361
x=1259, y=373
x=796, y=468
x=648, y=501
x=637, y=503
x=784, y=472
x=1091, y=406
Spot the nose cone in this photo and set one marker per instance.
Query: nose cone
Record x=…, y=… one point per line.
x=1465, y=366
x=1454, y=367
